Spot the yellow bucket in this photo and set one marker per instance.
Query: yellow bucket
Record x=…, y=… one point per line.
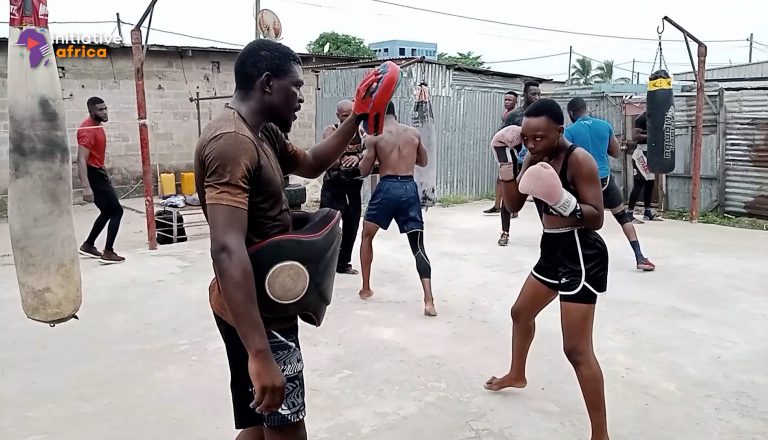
x=168, y=184
x=187, y=183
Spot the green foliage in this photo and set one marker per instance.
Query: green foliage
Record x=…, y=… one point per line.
x=605, y=73
x=724, y=220
x=581, y=72
x=340, y=45
x=468, y=59
x=450, y=200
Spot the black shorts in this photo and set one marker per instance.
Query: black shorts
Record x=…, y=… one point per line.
x=574, y=263
x=612, y=197
x=396, y=198
x=286, y=351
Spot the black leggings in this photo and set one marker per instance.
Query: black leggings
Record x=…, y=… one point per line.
x=423, y=266
x=345, y=198
x=105, y=198
x=506, y=217
x=646, y=186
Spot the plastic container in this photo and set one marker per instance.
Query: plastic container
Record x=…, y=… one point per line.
x=187, y=183
x=168, y=184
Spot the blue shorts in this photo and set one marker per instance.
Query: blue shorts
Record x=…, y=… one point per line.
x=396, y=198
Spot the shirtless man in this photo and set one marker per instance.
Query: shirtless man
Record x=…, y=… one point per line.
x=398, y=150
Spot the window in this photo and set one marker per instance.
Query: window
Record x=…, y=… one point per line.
x=402, y=51
x=386, y=51
x=413, y=52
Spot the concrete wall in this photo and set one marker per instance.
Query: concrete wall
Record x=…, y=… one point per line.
x=171, y=77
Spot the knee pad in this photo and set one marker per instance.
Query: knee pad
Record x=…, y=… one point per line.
x=624, y=217
x=423, y=266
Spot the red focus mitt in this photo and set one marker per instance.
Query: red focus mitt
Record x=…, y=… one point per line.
x=373, y=94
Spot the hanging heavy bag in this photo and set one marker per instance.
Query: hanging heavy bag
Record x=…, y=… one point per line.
x=660, y=113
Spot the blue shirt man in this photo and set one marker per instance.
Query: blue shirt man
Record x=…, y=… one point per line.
x=594, y=135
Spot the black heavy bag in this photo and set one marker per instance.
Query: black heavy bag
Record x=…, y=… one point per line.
x=164, y=227
x=660, y=113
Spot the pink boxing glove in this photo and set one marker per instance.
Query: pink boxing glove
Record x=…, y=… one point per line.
x=542, y=182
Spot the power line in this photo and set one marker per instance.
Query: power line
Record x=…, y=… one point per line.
x=187, y=35
x=561, y=31
x=73, y=22
x=528, y=59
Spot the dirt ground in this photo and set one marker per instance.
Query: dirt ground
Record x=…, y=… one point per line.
x=683, y=349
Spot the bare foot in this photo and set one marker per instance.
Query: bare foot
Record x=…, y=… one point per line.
x=429, y=309
x=497, y=384
x=365, y=293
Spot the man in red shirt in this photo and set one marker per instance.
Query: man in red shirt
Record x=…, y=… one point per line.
x=97, y=186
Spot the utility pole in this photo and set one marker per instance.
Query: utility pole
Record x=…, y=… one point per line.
x=751, y=41
x=141, y=107
x=119, y=28
x=256, y=9
x=570, y=55
x=632, y=78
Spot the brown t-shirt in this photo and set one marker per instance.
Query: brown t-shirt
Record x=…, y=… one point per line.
x=235, y=167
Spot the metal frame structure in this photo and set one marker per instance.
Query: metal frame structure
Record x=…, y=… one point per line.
x=699, y=116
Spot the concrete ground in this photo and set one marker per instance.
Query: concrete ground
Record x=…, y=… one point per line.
x=684, y=349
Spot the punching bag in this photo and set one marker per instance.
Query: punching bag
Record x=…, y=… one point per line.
x=660, y=113
x=423, y=119
x=40, y=218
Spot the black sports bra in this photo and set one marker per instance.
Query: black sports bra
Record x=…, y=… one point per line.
x=542, y=206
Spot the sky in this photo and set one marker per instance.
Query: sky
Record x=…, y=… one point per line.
x=232, y=21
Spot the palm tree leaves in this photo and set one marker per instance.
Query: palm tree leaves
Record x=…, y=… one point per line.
x=583, y=73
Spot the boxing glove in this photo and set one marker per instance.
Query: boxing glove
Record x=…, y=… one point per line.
x=373, y=94
x=504, y=143
x=542, y=182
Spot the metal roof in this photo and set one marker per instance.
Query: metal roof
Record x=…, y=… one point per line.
x=399, y=60
x=737, y=71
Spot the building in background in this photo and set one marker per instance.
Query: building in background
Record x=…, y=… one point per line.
x=404, y=48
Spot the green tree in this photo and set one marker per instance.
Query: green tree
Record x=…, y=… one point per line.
x=468, y=59
x=581, y=72
x=339, y=44
x=605, y=74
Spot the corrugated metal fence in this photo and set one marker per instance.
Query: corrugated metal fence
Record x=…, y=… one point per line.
x=746, y=152
x=678, y=182
x=467, y=109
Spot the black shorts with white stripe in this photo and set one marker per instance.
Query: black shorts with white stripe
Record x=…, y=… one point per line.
x=574, y=263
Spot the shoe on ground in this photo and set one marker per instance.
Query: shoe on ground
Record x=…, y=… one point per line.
x=347, y=270
x=651, y=217
x=504, y=239
x=110, y=257
x=492, y=210
x=645, y=265
x=89, y=251
x=637, y=221
x=513, y=215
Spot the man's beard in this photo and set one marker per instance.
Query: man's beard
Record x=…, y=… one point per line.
x=284, y=126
